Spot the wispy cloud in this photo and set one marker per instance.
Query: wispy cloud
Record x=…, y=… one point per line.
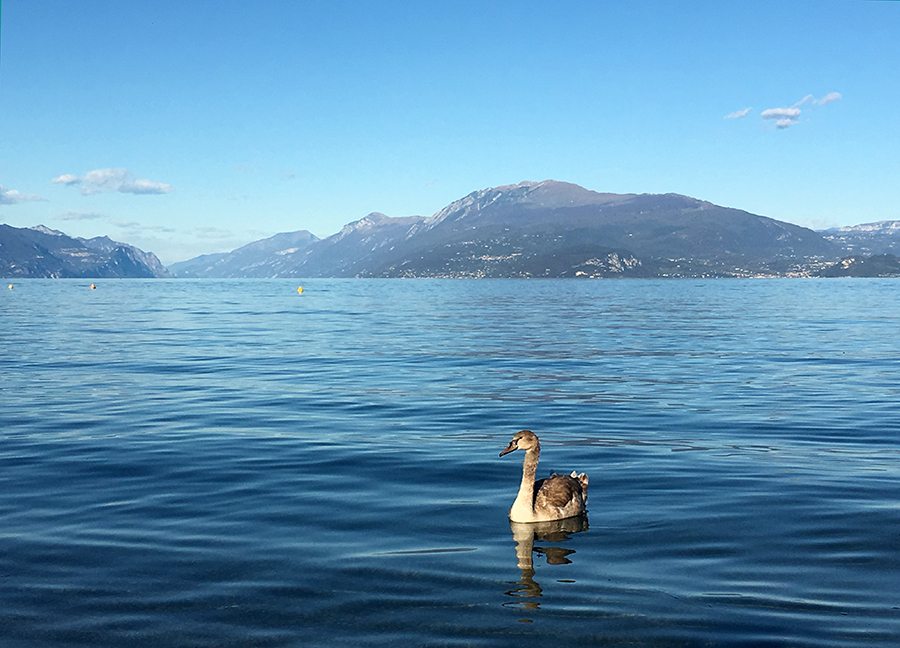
x=112, y=180
x=738, y=113
x=138, y=229
x=79, y=216
x=787, y=117
x=211, y=233
x=13, y=197
x=827, y=99
x=133, y=228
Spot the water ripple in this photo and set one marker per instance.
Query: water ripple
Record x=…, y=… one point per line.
x=229, y=463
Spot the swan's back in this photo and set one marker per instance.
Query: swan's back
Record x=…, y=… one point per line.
x=560, y=496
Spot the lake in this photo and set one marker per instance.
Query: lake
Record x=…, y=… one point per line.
x=233, y=463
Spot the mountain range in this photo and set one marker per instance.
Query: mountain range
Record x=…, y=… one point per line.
x=532, y=229
x=878, y=238
x=541, y=229
x=43, y=252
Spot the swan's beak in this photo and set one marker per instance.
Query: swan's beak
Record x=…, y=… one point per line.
x=512, y=446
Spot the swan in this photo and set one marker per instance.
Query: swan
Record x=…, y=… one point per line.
x=555, y=498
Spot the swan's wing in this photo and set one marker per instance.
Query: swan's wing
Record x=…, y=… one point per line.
x=559, y=494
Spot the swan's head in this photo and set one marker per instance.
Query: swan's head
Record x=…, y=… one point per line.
x=524, y=440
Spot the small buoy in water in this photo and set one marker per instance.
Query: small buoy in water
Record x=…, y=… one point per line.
x=299, y=289
x=93, y=287
x=10, y=286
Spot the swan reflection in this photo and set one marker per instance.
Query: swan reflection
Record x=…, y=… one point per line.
x=526, y=534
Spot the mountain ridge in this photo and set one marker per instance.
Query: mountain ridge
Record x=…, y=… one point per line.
x=878, y=238
x=43, y=252
x=244, y=261
x=552, y=228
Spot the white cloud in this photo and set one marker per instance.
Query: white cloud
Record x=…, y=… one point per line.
x=827, y=99
x=112, y=180
x=12, y=197
x=141, y=186
x=66, y=179
x=738, y=114
x=785, y=117
x=781, y=113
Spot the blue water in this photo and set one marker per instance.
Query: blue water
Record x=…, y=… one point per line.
x=231, y=463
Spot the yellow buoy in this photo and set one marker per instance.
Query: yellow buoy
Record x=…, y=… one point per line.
x=300, y=289
x=10, y=286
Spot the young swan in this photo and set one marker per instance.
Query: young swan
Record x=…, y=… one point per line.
x=554, y=498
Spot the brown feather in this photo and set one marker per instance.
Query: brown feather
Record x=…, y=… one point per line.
x=560, y=492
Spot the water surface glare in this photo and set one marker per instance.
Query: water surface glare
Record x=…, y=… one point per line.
x=231, y=463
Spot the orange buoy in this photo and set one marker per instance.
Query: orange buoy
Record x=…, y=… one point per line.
x=93, y=287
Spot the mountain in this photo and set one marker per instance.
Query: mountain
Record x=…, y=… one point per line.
x=877, y=265
x=43, y=252
x=560, y=229
x=352, y=252
x=878, y=238
x=266, y=258
x=556, y=229
x=104, y=244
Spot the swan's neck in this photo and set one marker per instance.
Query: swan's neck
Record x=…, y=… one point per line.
x=523, y=508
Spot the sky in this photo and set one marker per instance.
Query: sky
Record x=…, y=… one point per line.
x=191, y=127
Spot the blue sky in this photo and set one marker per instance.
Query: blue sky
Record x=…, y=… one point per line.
x=193, y=127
